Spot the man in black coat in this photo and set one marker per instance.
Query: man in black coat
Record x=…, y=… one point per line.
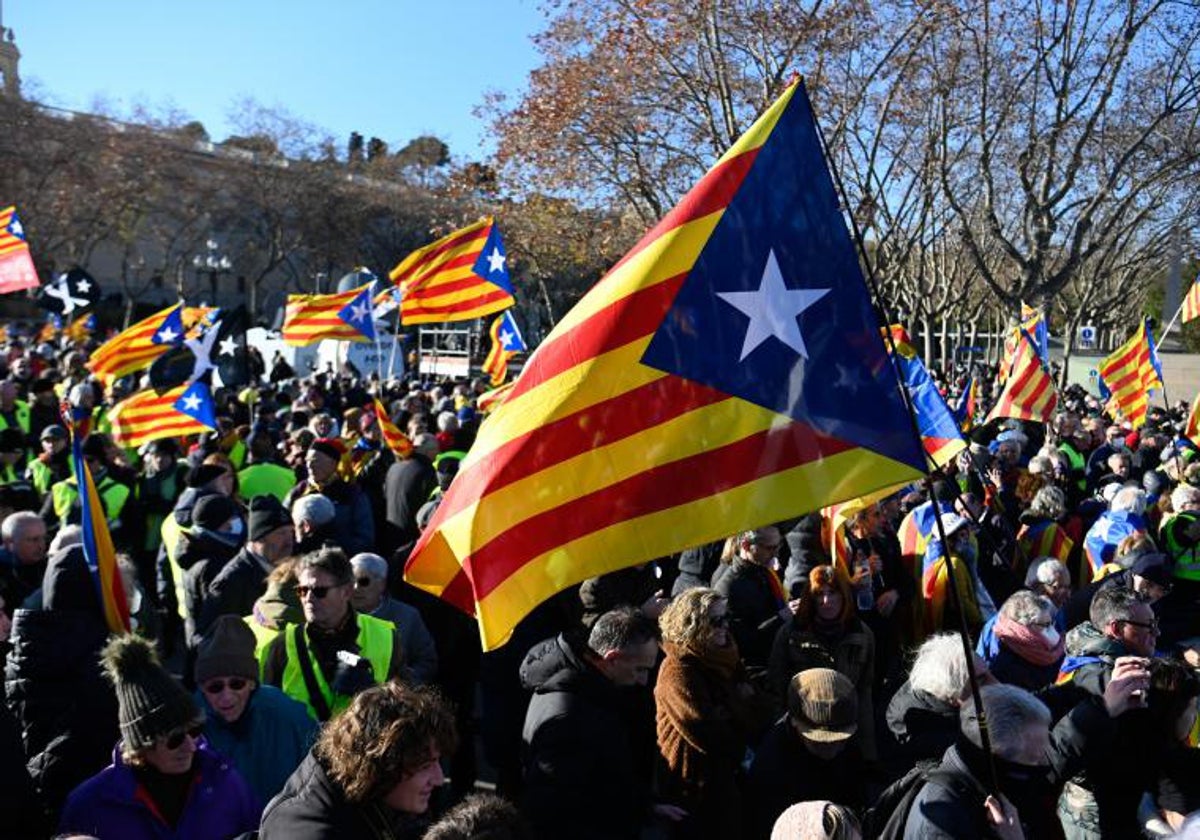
x=757, y=607
x=243, y=581
x=406, y=488
x=589, y=741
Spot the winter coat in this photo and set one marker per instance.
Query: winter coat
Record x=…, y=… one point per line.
x=311, y=806
x=66, y=710
x=588, y=748
x=233, y=590
x=922, y=726
x=21, y=812
x=851, y=654
x=806, y=551
x=754, y=609
x=406, y=488
x=353, y=522
x=267, y=743
x=420, y=652
x=114, y=804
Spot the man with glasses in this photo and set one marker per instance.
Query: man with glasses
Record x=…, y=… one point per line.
x=338, y=651
x=371, y=598
x=757, y=605
x=265, y=733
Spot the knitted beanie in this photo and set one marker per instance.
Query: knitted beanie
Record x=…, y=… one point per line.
x=151, y=702
x=213, y=511
x=227, y=651
x=266, y=514
x=332, y=447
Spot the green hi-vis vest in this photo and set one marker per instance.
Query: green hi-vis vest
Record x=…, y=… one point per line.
x=172, y=537
x=374, y=643
x=1187, y=558
x=263, y=636
x=20, y=414
x=1077, y=461
x=113, y=495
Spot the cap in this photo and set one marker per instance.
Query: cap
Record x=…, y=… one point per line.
x=53, y=432
x=823, y=705
x=227, y=651
x=267, y=514
x=213, y=511
x=1154, y=567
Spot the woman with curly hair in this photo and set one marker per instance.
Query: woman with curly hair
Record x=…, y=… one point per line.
x=372, y=771
x=826, y=632
x=705, y=713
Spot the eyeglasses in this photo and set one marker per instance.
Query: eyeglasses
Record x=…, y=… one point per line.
x=175, y=740
x=217, y=686
x=363, y=582
x=318, y=592
x=1151, y=625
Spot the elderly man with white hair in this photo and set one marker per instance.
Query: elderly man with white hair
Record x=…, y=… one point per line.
x=1049, y=577
x=371, y=597
x=313, y=517
x=23, y=557
x=1180, y=532
x=1125, y=516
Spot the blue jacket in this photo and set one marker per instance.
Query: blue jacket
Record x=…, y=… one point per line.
x=267, y=743
x=113, y=804
x=1102, y=538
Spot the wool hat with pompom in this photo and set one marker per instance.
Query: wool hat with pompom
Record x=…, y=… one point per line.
x=152, y=703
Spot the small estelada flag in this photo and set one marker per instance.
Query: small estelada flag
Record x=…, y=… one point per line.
x=16, y=265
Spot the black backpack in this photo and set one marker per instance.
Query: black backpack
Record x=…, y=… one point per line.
x=885, y=820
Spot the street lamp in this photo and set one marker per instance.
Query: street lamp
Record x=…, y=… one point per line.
x=214, y=264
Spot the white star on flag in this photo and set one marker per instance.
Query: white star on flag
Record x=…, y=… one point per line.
x=773, y=310
x=495, y=260
x=506, y=339
x=83, y=286
x=16, y=229
x=228, y=346
x=166, y=335
x=191, y=402
x=358, y=311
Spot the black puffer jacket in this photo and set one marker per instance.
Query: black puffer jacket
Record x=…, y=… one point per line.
x=311, y=806
x=65, y=708
x=922, y=727
x=588, y=748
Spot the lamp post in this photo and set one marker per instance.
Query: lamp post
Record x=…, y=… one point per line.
x=214, y=264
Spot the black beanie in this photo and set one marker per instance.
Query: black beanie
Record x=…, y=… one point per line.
x=227, y=651
x=213, y=511
x=204, y=473
x=151, y=702
x=266, y=514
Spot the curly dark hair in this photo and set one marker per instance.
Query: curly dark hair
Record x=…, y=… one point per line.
x=388, y=732
x=481, y=816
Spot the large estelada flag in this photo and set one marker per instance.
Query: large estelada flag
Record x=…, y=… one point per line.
x=726, y=374
x=1029, y=393
x=461, y=276
x=16, y=265
x=1131, y=374
x=185, y=410
x=344, y=316
x=138, y=346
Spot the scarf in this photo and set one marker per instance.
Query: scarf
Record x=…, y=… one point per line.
x=1028, y=642
x=723, y=661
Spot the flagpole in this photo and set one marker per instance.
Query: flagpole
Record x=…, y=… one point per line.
x=395, y=341
x=1174, y=318
x=956, y=597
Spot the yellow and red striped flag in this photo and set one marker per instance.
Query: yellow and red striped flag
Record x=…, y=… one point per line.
x=461, y=276
x=506, y=343
x=147, y=416
x=395, y=439
x=81, y=329
x=16, y=265
x=344, y=316
x=1191, y=303
x=489, y=401
x=1130, y=374
x=138, y=346
x=1029, y=393
x=1192, y=430
x=704, y=386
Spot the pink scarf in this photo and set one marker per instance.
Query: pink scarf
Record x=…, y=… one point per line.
x=1028, y=642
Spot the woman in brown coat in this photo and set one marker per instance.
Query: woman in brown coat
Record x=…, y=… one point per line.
x=705, y=712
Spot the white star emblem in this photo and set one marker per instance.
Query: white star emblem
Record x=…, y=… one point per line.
x=16, y=228
x=496, y=260
x=506, y=339
x=358, y=311
x=166, y=335
x=191, y=402
x=773, y=310
x=228, y=346
x=83, y=286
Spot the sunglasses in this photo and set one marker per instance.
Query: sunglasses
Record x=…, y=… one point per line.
x=1152, y=626
x=217, y=686
x=175, y=740
x=363, y=582
x=317, y=592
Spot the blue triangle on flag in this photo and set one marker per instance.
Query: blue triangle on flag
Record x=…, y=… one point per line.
x=359, y=313
x=196, y=402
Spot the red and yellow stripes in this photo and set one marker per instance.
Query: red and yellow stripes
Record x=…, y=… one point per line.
x=146, y=416
x=1129, y=376
x=312, y=318
x=496, y=363
x=1192, y=431
x=395, y=439
x=594, y=461
x=1029, y=393
x=1191, y=303
x=1045, y=539
x=438, y=282
x=8, y=241
x=134, y=348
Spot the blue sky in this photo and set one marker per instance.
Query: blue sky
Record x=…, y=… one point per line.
x=395, y=70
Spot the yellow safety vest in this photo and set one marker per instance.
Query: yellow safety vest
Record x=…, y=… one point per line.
x=113, y=495
x=263, y=636
x=172, y=536
x=374, y=643
x=21, y=410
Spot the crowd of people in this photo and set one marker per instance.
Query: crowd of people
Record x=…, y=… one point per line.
x=803, y=679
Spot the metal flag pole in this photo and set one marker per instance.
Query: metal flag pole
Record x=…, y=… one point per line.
x=956, y=596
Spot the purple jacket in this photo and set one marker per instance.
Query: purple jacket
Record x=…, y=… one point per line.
x=113, y=804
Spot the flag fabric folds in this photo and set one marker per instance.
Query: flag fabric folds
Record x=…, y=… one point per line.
x=98, y=549
x=81, y=329
x=968, y=402
x=1191, y=430
x=344, y=316
x=16, y=265
x=395, y=439
x=506, y=343
x=1044, y=539
x=1191, y=302
x=727, y=373
x=940, y=435
x=461, y=276
x=146, y=416
x=137, y=347
x=1029, y=393
x=1130, y=374
x=1034, y=323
